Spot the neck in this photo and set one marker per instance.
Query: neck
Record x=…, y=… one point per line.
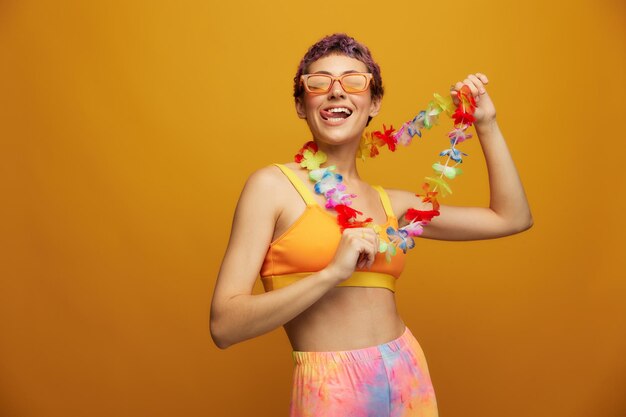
x=343, y=157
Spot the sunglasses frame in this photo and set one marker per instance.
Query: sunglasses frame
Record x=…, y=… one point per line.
x=304, y=77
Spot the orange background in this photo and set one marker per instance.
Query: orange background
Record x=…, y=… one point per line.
x=128, y=129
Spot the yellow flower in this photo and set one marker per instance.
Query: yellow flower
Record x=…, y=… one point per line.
x=312, y=160
x=444, y=104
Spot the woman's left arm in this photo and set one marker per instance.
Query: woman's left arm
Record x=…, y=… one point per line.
x=508, y=212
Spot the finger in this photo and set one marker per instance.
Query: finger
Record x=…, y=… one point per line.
x=357, y=233
x=362, y=261
x=374, y=239
x=366, y=233
x=365, y=258
x=376, y=246
x=458, y=86
x=471, y=86
x=370, y=249
x=454, y=92
x=479, y=84
x=455, y=99
x=371, y=257
x=363, y=245
x=482, y=77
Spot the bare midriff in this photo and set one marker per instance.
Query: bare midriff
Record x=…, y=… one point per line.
x=346, y=318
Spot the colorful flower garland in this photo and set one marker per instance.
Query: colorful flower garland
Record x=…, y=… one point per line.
x=329, y=183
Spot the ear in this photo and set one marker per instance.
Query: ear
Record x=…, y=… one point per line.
x=375, y=107
x=300, y=109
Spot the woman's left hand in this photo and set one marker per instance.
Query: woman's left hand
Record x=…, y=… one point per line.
x=485, y=110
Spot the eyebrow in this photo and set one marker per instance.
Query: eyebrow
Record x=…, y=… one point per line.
x=329, y=73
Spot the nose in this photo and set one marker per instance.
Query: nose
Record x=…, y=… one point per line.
x=336, y=90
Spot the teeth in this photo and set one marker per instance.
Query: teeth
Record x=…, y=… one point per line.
x=339, y=110
x=335, y=119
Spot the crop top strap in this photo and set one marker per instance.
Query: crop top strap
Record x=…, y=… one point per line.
x=298, y=185
x=385, y=200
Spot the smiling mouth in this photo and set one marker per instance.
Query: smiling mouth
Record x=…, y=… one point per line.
x=335, y=114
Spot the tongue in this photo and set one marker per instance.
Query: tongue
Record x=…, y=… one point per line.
x=331, y=115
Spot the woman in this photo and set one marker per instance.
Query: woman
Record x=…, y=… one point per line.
x=330, y=287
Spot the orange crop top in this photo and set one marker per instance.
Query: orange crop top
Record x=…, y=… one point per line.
x=310, y=243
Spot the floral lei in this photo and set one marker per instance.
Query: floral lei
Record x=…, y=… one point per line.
x=329, y=183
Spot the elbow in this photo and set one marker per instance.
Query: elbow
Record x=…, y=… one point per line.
x=512, y=225
x=224, y=324
x=218, y=335
x=219, y=342
x=527, y=222
x=530, y=222
x=522, y=224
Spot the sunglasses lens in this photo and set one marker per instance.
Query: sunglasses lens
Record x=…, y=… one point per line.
x=354, y=83
x=318, y=83
x=351, y=83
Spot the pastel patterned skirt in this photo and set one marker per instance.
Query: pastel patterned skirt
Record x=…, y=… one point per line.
x=388, y=380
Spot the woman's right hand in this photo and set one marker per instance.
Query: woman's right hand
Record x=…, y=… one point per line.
x=357, y=249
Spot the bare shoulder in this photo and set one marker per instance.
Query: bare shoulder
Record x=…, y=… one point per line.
x=266, y=181
x=267, y=186
x=266, y=177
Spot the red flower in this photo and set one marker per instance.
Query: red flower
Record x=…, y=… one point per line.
x=420, y=215
x=464, y=113
x=387, y=137
x=347, y=211
x=467, y=103
x=461, y=117
x=311, y=145
x=346, y=217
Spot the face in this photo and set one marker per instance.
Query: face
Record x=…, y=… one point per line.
x=336, y=126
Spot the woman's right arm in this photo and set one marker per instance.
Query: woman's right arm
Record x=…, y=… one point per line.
x=236, y=314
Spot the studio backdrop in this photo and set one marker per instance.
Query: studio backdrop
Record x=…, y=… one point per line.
x=128, y=129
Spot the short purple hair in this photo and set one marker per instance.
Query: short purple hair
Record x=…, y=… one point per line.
x=340, y=44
